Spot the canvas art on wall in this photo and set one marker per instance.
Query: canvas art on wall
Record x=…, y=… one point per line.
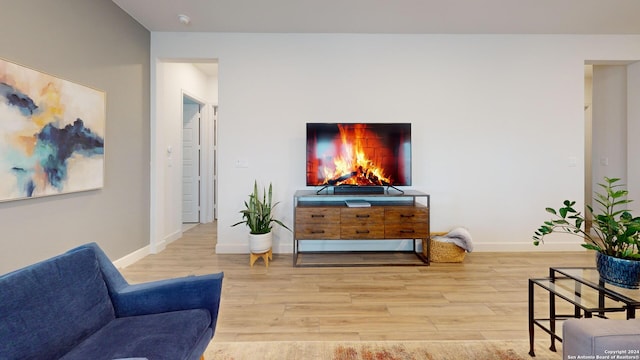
x=51, y=134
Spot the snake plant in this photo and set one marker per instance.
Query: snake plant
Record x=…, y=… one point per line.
x=257, y=214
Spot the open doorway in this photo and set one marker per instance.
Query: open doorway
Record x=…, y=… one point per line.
x=182, y=89
x=191, y=161
x=612, y=123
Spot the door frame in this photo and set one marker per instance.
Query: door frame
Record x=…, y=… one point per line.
x=207, y=157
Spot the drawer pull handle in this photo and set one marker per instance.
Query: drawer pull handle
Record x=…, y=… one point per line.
x=362, y=216
x=317, y=215
x=407, y=216
x=407, y=231
x=317, y=231
x=362, y=231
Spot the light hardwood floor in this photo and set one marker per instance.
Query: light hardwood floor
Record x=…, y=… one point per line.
x=485, y=297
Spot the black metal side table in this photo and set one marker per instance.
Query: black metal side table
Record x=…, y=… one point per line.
x=582, y=288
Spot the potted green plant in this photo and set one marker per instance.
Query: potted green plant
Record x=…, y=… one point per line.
x=258, y=216
x=614, y=234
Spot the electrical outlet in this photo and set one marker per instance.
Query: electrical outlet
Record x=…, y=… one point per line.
x=242, y=163
x=604, y=161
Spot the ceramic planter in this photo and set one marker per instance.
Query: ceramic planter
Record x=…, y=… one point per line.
x=260, y=243
x=619, y=272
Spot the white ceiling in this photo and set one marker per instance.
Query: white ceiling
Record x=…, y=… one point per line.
x=390, y=16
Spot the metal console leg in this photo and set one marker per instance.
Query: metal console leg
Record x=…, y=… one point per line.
x=552, y=320
x=531, y=325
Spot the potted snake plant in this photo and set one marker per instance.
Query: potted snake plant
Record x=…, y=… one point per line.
x=614, y=234
x=258, y=216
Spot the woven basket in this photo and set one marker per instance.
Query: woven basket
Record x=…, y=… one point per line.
x=443, y=252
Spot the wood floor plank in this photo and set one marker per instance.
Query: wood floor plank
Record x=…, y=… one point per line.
x=402, y=297
x=448, y=309
x=484, y=297
x=397, y=324
x=339, y=310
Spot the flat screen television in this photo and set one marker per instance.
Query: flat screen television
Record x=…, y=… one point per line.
x=358, y=154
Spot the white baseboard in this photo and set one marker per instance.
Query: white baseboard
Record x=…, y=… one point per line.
x=160, y=246
x=172, y=237
x=526, y=247
x=232, y=248
x=127, y=260
x=243, y=248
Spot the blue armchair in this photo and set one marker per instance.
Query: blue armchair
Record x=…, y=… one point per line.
x=78, y=306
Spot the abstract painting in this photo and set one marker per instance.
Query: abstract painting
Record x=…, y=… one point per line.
x=51, y=134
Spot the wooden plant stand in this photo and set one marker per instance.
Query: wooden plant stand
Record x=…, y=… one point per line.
x=266, y=256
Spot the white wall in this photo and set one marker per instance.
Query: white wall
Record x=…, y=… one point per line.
x=496, y=119
x=173, y=79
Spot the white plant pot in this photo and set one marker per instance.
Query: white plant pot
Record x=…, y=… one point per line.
x=260, y=243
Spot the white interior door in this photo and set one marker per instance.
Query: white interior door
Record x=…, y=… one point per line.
x=191, y=163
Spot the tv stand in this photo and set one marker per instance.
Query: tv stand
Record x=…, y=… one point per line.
x=397, y=216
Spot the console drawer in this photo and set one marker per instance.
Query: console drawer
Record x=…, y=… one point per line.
x=353, y=216
x=318, y=231
x=406, y=214
x=362, y=231
x=362, y=223
x=406, y=231
x=402, y=222
x=317, y=223
x=317, y=215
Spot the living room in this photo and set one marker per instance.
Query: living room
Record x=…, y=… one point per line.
x=497, y=120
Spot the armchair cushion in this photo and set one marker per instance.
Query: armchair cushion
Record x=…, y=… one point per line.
x=147, y=336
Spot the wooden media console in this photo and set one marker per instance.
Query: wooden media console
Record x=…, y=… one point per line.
x=390, y=216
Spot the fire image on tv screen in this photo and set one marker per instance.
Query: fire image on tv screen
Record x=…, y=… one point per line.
x=366, y=154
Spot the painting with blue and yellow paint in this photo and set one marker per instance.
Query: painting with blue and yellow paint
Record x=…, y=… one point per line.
x=51, y=134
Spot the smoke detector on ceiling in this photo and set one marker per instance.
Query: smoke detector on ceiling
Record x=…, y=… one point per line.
x=184, y=19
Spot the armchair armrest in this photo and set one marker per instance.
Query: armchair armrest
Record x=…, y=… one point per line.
x=191, y=292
